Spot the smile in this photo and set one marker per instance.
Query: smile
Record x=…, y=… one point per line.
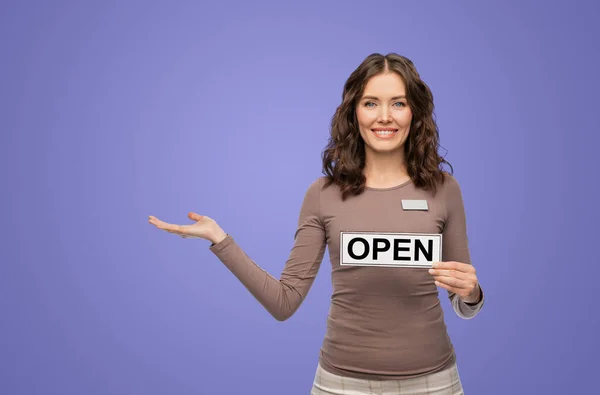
x=385, y=133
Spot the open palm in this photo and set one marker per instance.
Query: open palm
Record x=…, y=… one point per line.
x=204, y=227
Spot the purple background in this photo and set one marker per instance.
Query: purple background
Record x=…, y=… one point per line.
x=112, y=112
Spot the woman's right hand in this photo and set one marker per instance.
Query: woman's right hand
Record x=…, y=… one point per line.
x=204, y=228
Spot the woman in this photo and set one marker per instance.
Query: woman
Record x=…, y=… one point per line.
x=383, y=187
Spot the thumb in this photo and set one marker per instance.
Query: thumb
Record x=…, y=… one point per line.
x=194, y=216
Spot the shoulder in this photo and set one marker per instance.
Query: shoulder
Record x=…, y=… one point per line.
x=450, y=192
x=314, y=188
x=449, y=189
x=450, y=183
x=319, y=190
x=313, y=199
x=318, y=185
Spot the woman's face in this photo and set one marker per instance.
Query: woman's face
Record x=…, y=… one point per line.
x=383, y=114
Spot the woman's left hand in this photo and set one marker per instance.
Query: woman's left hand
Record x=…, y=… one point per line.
x=457, y=277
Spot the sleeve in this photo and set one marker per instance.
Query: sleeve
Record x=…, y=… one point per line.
x=282, y=297
x=455, y=246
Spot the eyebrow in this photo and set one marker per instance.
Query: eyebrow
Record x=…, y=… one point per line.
x=375, y=98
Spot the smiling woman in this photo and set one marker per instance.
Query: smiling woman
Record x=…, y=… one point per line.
x=383, y=191
x=392, y=108
x=383, y=116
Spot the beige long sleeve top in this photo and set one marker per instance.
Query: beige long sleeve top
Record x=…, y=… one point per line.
x=385, y=322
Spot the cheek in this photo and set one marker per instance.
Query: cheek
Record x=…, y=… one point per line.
x=364, y=118
x=404, y=118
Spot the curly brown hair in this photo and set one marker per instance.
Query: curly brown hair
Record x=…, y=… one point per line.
x=344, y=155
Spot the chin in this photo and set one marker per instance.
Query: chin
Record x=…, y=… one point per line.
x=394, y=151
x=378, y=149
x=391, y=145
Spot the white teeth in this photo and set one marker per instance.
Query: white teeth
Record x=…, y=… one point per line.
x=384, y=132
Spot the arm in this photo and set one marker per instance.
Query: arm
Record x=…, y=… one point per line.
x=282, y=297
x=455, y=246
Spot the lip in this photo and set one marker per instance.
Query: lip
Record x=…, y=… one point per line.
x=386, y=137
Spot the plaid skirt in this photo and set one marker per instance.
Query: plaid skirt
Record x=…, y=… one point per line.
x=445, y=382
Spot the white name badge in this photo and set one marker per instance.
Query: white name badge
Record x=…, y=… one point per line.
x=418, y=250
x=419, y=205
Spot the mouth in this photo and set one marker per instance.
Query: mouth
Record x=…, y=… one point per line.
x=384, y=133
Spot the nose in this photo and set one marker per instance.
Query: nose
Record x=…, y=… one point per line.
x=384, y=114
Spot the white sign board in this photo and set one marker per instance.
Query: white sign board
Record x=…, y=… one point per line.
x=390, y=249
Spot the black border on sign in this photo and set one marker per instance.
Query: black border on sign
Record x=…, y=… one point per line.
x=342, y=233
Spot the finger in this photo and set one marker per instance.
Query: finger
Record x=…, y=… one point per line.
x=452, y=282
x=450, y=273
x=153, y=219
x=194, y=217
x=445, y=265
x=179, y=229
x=171, y=228
x=447, y=287
x=159, y=224
x=452, y=265
x=156, y=222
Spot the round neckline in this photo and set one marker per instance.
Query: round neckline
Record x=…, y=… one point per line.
x=389, y=188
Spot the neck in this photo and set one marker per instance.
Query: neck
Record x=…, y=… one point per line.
x=385, y=170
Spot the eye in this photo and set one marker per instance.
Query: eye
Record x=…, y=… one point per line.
x=369, y=103
x=401, y=104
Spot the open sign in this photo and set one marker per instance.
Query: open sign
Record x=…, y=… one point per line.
x=390, y=249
